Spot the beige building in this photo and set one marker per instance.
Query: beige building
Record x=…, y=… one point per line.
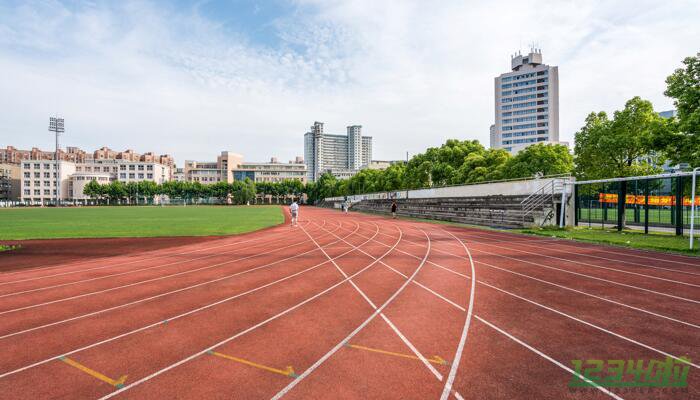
x=526, y=104
x=10, y=183
x=39, y=178
x=211, y=172
x=41, y=181
x=273, y=171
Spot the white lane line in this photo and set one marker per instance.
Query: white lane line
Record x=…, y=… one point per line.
x=352, y=334
x=143, y=328
x=138, y=282
x=625, y=338
x=588, y=294
x=116, y=265
x=601, y=247
x=467, y=322
x=534, y=350
x=161, y=294
x=241, y=333
x=393, y=327
x=592, y=277
x=548, y=358
x=568, y=316
x=573, y=273
x=540, y=254
x=135, y=270
x=563, y=314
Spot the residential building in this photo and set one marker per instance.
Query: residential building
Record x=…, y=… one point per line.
x=380, y=164
x=179, y=175
x=207, y=172
x=342, y=155
x=40, y=181
x=526, y=104
x=10, y=183
x=272, y=171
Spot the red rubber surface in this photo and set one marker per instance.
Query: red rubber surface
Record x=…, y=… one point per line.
x=359, y=306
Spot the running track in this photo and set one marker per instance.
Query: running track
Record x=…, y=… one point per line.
x=347, y=306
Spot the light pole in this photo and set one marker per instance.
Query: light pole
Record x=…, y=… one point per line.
x=56, y=126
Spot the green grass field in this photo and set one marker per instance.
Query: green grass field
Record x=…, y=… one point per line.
x=660, y=241
x=100, y=222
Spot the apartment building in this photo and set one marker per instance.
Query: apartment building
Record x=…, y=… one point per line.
x=207, y=172
x=526, y=104
x=273, y=171
x=341, y=155
x=40, y=181
x=10, y=184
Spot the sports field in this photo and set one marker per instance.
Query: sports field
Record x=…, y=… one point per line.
x=101, y=222
x=352, y=306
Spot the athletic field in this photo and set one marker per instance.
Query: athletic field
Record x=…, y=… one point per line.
x=352, y=306
x=100, y=222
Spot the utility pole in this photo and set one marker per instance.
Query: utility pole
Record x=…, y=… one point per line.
x=56, y=126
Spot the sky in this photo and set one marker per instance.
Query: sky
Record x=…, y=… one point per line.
x=193, y=79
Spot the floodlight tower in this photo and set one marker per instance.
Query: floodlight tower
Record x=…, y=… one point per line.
x=56, y=126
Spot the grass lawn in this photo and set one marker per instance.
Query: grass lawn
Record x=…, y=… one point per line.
x=659, y=241
x=95, y=222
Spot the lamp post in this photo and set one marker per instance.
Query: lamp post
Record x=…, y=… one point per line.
x=56, y=126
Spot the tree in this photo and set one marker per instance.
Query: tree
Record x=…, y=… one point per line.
x=681, y=140
x=92, y=190
x=221, y=190
x=540, y=158
x=623, y=146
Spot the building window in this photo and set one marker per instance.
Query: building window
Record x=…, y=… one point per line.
x=37, y=174
x=27, y=166
x=27, y=175
x=27, y=192
x=122, y=176
x=122, y=167
x=47, y=192
x=47, y=166
x=131, y=176
x=150, y=176
x=149, y=168
x=132, y=167
x=140, y=176
x=37, y=183
x=37, y=192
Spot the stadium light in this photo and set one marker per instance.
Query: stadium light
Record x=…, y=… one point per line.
x=56, y=126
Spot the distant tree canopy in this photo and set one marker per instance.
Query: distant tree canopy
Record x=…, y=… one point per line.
x=454, y=163
x=621, y=146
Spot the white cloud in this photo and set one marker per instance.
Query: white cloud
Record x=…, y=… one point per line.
x=413, y=74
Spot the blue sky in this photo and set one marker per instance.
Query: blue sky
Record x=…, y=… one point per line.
x=195, y=78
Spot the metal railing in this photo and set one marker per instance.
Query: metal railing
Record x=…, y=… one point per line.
x=542, y=196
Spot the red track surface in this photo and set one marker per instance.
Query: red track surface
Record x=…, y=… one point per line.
x=359, y=306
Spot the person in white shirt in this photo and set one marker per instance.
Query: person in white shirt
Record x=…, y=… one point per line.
x=294, y=210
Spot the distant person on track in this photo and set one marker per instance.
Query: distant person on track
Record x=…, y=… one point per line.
x=393, y=209
x=294, y=210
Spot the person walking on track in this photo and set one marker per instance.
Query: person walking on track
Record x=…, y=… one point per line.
x=294, y=210
x=393, y=209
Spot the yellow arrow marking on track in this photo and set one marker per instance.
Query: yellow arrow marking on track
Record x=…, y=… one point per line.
x=116, y=383
x=435, y=359
x=289, y=371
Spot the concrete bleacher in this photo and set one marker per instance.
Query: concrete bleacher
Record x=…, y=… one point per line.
x=495, y=211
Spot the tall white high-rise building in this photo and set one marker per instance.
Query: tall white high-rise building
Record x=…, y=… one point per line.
x=527, y=104
x=341, y=155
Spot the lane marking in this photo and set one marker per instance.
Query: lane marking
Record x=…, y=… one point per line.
x=144, y=281
x=463, y=339
x=352, y=334
x=118, y=383
x=289, y=371
x=160, y=322
x=435, y=359
x=594, y=265
x=548, y=358
x=393, y=327
x=557, y=269
x=114, y=265
x=246, y=331
x=154, y=297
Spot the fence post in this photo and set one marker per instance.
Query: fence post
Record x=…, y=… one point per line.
x=646, y=206
x=679, y=206
x=621, y=197
x=577, y=206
